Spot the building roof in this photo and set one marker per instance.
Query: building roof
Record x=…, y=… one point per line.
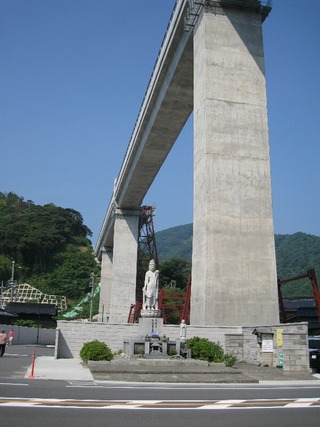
x=31, y=308
x=298, y=303
x=4, y=313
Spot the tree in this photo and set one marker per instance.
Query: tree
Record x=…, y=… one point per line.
x=49, y=243
x=33, y=234
x=5, y=267
x=176, y=269
x=70, y=276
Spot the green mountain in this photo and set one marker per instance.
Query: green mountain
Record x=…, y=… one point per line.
x=175, y=242
x=52, y=251
x=49, y=245
x=296, y=254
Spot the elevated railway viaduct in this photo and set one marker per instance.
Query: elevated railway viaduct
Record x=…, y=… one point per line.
x=211, y=63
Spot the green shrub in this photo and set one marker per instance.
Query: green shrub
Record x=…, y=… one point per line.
x=95, y=350
x=139, y=349
x=26, y=323
x=172, y=351
x=229, y=360
x=203, y=349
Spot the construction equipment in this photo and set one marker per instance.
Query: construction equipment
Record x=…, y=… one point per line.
x=23, y=292
x=147, y=250
x=310, y=275
x=175, y=304
x=186, y=307
x=134, y=312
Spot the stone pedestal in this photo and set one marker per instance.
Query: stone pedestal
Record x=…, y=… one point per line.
x=151, y=327
x=154, y=348
x=151, y=342
x=150, y=312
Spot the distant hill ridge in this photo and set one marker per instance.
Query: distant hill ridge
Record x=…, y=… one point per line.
x=296, y=253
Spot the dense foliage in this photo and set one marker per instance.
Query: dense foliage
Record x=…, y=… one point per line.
x=95, y=350
x=175, y=242
x=295, y=253
x=52, y=251
x=177, y=270
x=50, y=246
x=203, y=349
x=26, y=323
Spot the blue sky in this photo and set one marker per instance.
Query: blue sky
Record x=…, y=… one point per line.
x=73, y=76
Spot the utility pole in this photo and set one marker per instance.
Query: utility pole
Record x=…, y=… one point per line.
x=39, y=312
x=1, y=290
x=91, y=293
x=13, y=283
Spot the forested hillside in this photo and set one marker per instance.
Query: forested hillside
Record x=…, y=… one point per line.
x=52, y=251
x=296, y=254
x=50, y=246
x=175, y=242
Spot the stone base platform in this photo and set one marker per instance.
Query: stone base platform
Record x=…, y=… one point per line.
x=176, y=370
x=170, y=370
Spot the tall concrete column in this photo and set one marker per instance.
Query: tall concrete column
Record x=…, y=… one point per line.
x=105, y=285
x=125, y=252
x=233, y=262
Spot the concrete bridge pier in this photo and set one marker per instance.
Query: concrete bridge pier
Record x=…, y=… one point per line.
x=105, y=284
x=233, y=264
x=119, y=269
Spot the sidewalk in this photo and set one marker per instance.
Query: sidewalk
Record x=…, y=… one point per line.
x=47, y=367
x=17, y=363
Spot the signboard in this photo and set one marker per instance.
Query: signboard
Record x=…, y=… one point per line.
x=267, y=343
x=279, y=337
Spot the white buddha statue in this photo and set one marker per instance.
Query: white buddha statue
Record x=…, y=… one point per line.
x=151, y=287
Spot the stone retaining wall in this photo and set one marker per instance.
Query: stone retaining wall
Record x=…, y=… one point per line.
x=275, y=345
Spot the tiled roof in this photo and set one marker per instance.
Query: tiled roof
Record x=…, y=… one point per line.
x=31, y=308
x=4, y=313
x=290, y=304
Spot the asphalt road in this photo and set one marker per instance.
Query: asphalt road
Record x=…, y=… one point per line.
x=33, y=402
x=18, y=358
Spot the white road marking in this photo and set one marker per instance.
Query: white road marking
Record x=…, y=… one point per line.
x=222, y=404
x=302, y=403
